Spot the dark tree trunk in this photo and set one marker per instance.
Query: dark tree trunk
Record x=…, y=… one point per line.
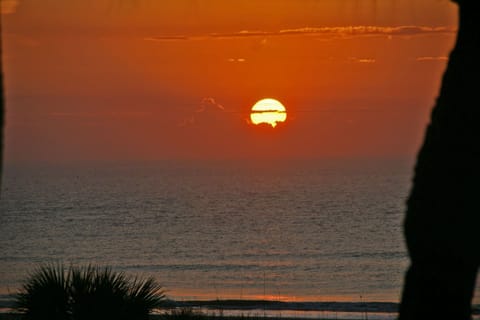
x=2, y=106
x=442, y=225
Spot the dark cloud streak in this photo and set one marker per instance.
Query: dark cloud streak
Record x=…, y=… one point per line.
x=347, y=31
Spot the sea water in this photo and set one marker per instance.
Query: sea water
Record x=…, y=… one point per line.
x=324, y=230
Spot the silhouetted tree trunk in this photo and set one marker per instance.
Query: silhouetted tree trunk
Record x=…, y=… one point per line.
x=442, y=225
x=2, y=106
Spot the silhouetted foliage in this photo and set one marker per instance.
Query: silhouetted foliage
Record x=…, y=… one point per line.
x=45, y=294
x=81, y=293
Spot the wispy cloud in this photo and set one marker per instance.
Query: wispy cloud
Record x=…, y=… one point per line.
x=236, y=60
x=8, y=6
x=206, y=105
x=346, y=31
x=362, y=60
x=268, y=111
x=368, y=30
x=439, y=58
x=366, y=60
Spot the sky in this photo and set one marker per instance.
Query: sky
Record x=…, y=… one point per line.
x=141, y=80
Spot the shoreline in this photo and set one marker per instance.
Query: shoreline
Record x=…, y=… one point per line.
x=12, y=316
x=247, y=305
x=272, y=305
x=255, y=309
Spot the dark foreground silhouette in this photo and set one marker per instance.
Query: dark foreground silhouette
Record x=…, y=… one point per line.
x=53, y=292
x=2, y=112
x=442, y=225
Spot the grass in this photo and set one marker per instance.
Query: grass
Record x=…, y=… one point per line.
x=186, y=313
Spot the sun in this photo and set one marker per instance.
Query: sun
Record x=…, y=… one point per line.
x=268, y=111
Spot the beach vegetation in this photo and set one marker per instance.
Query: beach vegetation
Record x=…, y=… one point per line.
x=45, y=294
x=185, y=313
x=89, y=292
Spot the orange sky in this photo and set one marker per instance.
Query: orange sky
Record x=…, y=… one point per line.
x=143, y=79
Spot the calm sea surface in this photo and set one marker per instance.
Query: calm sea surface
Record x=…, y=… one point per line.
x=297, y=231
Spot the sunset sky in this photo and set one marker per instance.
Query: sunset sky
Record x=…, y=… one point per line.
x=128, y=80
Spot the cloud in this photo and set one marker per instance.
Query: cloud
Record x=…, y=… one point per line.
x=236, y=60
x=209, y=102
x=440, y=58
x=366, y=60
x=8, y=6
x=267, y=111
x=362, y=60
x=206, y=105
x=369, y=30
x=342, y=32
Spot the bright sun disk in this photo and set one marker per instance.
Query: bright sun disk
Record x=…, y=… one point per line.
x=268, y=111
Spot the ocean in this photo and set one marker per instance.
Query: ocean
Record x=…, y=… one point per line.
x=296, y=231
